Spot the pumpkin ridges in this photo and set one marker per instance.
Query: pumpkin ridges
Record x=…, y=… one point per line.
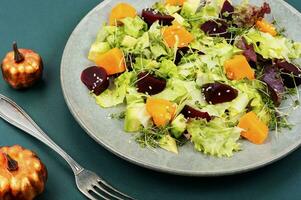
x=29, y=164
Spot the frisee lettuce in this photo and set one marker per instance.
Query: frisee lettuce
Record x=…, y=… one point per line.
x=116, y=95
x=273, y=47
x=214, y=138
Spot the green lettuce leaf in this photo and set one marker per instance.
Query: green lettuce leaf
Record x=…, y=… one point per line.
x=104, y=32
x=142, y=64
x=222, y=51
x=134, y=27
x=190, y=7
x=178, y=90
x=155, y=31
x=256, y=103
x=167, y=69
x=108, y=36
x=211, y=64
x=215, y=137
x=97, y=49
x=196, y=17
x=157, y=45
x=174, y=91
x=166, y=9
x=129, y=42
x=273, y=47
x=115, y=96
x=158, y=50
x=133, y=96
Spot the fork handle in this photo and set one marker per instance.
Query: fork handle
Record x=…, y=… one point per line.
x=15, y=115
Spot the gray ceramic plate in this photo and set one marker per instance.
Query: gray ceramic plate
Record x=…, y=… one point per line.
x=109, y=133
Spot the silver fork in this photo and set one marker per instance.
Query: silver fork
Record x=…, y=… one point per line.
x=88, y=182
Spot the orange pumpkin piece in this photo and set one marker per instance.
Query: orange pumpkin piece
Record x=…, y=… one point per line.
x=254, y=129
x=112, y=61
x=120, y=11
x=239, y=68
x=177, y=34
x=161, y=110
x=175, y=2
x=266, y=27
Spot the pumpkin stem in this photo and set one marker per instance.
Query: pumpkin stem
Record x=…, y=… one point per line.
x=19, y=57
x=12, y=165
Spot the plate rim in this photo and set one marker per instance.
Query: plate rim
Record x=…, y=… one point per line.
x=150, y=166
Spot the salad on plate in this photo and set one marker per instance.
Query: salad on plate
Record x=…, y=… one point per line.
x=206, y=72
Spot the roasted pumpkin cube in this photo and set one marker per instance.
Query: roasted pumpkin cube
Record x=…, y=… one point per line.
x=121, y=11
x=177, y=34
x=112, y=61
x=239, y=68
x=254, y=129
x=161, y=110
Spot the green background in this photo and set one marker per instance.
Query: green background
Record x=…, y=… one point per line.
x=45, y=27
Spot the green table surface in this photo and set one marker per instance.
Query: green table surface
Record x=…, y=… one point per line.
x=45, y=27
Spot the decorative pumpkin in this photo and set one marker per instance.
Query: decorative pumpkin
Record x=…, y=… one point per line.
x=22, y=68
x=22, y=175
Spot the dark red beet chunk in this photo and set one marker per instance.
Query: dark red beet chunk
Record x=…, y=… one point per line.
x=150, y=16
x=227, y=10
x=216, y=28
x=191, y=113
x=184, y=50
x=276, y=88
x=216, y=93
x=289, y=72
x=149, y=84
x=96, y=79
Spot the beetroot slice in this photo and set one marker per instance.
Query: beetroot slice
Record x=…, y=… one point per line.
x=96, y=79
x=216, y=28
x=150, y=16
x=227, y=8
x=184, y=50
x=290, y=73
x=191, y=113
x=216, y=93
x=149, y=84
x=276, y=88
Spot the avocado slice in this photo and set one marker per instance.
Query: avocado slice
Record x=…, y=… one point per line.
x=178, y=126
x=168, y=143
x=136, y=117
